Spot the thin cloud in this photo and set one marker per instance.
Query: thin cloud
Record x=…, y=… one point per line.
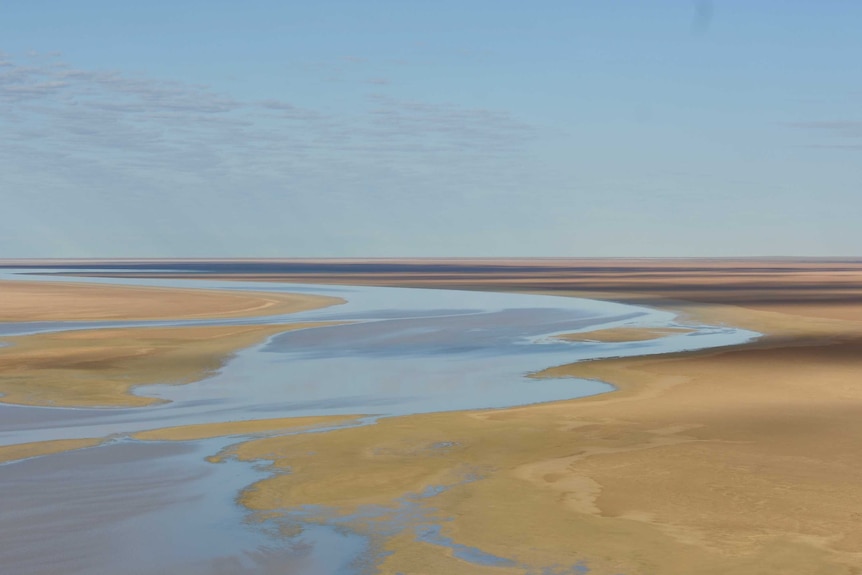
x=832, y=134
x=105, y=133
x=839, y=128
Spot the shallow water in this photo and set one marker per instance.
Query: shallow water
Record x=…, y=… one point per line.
x=149, y=508
x=133, y=507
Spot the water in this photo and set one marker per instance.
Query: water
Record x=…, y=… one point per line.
x=148, y=508
x=133, y=507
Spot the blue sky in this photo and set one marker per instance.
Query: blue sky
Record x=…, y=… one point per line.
x=446, y=128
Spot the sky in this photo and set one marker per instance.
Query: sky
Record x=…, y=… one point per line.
x=408, y=128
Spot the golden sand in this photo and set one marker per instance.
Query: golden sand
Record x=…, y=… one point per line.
x=38, y=448
x=736, y=461
x=43, y=301
x=100, y=367
x=623, y=334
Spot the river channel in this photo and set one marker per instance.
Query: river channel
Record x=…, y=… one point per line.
x=148, y=507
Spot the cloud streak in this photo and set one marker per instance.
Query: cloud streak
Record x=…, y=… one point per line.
x=105, y=148
x=841, y=133
x=145, y=120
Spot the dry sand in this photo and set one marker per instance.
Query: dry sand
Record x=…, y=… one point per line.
x=41, y=301
x=622, y=334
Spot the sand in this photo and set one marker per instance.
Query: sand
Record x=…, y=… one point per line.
x=38, y=448
x=729, y=463
x=41, y=301
x=622, y=334
x=96, y=368
x=254, y=426
x=742, y=461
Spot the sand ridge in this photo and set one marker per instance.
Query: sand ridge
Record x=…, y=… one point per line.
x=100, y=367
x=58, y=301
x=20, y=451
x=623, y=334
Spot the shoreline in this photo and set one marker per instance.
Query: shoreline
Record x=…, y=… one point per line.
x=51, y=368
x=601, y=505
x=100, y=368
x=42, y=369
x=713, y=461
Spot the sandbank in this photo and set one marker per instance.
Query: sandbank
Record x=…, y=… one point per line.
x=38, y=448
x=100, y=367
x=210, y=430
x=623, y=334
x=57, y=301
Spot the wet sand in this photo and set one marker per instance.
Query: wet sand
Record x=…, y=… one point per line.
x=251, y=428
x=100, y=367
x=254, y=426
x=36, y=449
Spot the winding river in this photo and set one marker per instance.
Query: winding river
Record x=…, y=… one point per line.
x=148, y=507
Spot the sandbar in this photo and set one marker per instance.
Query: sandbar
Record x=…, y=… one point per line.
x=38, y=448
x=254, y=426
x=58, y=301
x=100, y=367
x=623, y=334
